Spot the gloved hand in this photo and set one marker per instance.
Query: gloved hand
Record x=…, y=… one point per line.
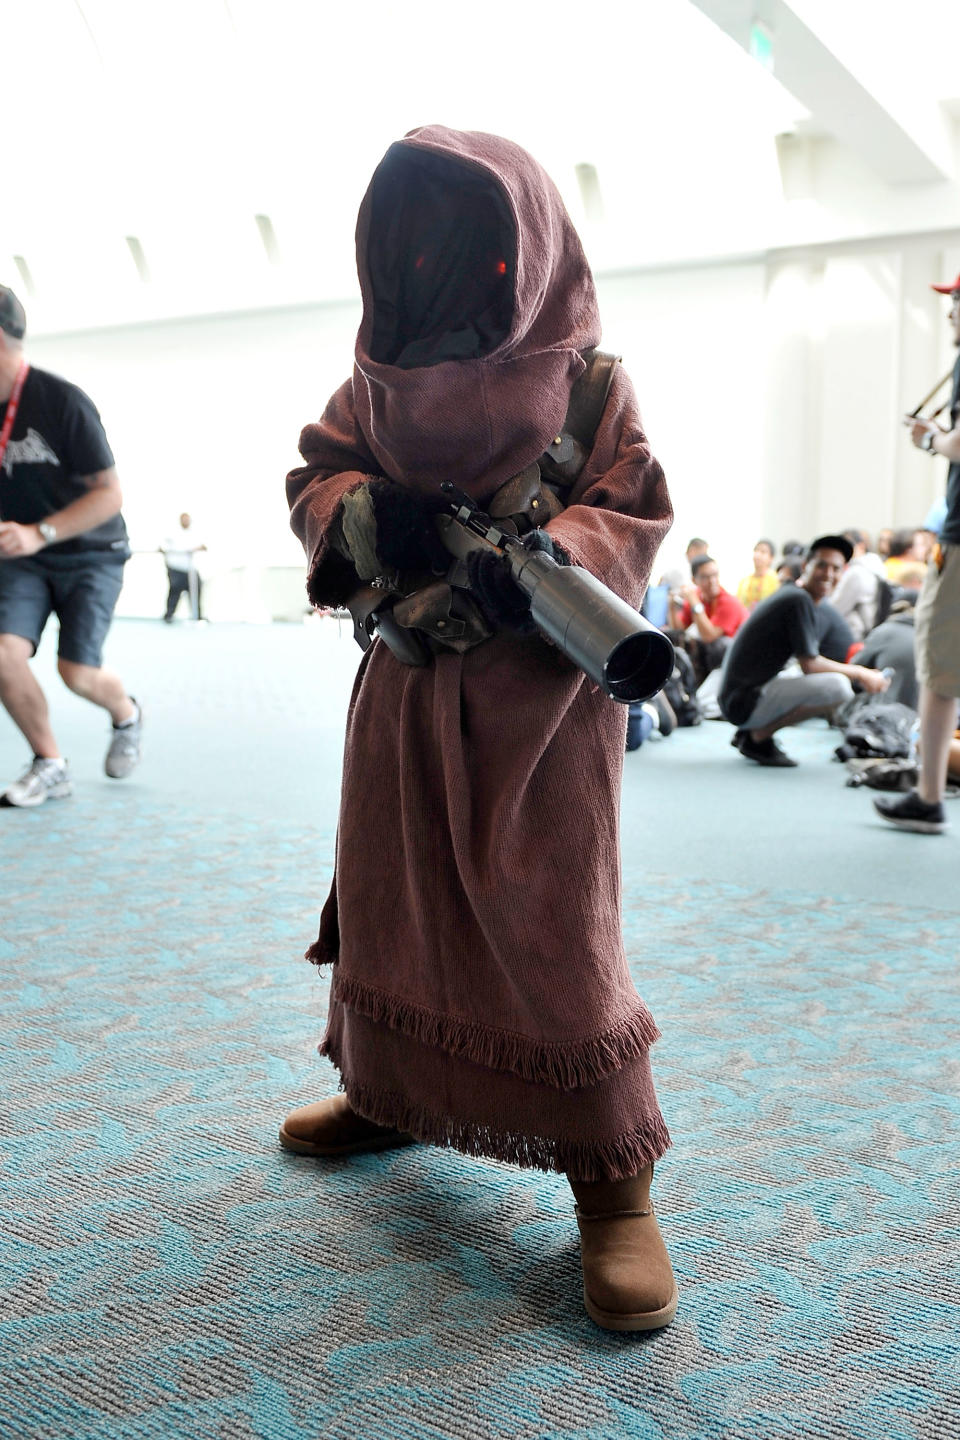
x=499, y=596
x=543, y=540
x=387, y=527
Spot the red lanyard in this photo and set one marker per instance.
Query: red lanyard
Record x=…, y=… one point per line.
x=12, y=404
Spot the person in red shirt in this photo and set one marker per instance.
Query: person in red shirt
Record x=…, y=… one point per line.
x=713, y=612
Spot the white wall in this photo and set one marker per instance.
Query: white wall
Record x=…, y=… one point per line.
x=855, y=338
x=204, y=415
x=692, y=341
x=771, y=389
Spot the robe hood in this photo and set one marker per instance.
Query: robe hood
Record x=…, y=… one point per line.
x=477, y=301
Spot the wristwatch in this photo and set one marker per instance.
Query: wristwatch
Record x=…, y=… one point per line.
x=927, y=442
x=47, y=531
x=697, y=609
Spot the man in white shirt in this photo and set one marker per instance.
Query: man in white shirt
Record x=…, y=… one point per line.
x=179, y=553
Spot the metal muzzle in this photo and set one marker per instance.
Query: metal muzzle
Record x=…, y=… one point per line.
x=624, y=654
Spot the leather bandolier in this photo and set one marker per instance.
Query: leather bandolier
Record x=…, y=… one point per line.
x=417, y=615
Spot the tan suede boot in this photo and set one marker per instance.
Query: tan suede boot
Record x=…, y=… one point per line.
x=628, y=1280
x=331, y=1128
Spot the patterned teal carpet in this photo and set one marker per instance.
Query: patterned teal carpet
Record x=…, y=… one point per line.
x=167, y=1271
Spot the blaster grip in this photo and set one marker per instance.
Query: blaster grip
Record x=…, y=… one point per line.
x=619, y=650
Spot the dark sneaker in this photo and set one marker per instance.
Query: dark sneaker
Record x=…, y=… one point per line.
x=42, y=780
x=764, y=752
x=909, y=812
x=124, y=752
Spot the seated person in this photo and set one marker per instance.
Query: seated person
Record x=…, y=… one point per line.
x=655, y=605
x=695, y=548
x=789, y=570
x=754, y=696
x=909, y=584
x=907, y=547
x=890, y=647
x=763, y=582
x=649, y=717
x=857, y=595
x=711, y=613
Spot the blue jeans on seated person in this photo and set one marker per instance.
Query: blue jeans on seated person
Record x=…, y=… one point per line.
x=639, y=725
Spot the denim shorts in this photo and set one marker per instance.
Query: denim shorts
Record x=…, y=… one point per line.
x=82, y=594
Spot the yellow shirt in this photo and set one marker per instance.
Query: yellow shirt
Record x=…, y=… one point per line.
x=754, y=588
x=895, y=563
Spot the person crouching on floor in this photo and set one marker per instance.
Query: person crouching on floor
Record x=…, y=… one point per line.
x=754, y=695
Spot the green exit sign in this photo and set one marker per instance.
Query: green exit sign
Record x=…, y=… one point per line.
x=761, y=44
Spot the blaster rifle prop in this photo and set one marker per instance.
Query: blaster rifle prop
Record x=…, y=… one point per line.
x=612, y=643
x=915, y=414
x=602, y=635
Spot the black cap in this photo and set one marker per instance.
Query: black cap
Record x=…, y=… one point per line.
x=13, y=321
x=832, y=542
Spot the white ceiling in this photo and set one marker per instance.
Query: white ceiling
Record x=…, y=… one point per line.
x=177, y=122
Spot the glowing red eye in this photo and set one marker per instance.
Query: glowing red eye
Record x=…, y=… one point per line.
x=418, y=262
x=501, y=267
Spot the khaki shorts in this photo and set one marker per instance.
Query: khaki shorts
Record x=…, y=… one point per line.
x=937, y=627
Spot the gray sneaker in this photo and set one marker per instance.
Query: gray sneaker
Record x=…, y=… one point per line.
x=42, y=780
x=124, y=752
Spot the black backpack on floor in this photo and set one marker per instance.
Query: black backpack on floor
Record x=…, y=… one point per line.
x=876, y=727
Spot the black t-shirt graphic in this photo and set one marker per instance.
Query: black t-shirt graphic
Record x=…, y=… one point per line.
x=57, y=439
x=782, y=626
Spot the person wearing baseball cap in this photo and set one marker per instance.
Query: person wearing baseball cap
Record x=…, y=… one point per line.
x=937, y=623
x=63, y=545
x=754, y=695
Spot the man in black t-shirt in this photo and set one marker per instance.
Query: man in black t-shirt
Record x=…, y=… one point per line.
x=937, y=623
x=836, y=637
x=754, y=695
x=63, y=545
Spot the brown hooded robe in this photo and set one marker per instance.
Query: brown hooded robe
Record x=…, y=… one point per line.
x=480, y=994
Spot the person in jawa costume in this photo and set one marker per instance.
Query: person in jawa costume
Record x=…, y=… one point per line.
x=480, y=995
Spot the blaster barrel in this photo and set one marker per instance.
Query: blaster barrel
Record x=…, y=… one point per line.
x=624, y=654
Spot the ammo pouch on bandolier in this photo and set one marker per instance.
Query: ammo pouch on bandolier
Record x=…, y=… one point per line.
x=416, y=616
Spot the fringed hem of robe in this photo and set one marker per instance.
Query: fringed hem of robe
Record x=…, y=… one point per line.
x=496, y=1116
x=564, y=1065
